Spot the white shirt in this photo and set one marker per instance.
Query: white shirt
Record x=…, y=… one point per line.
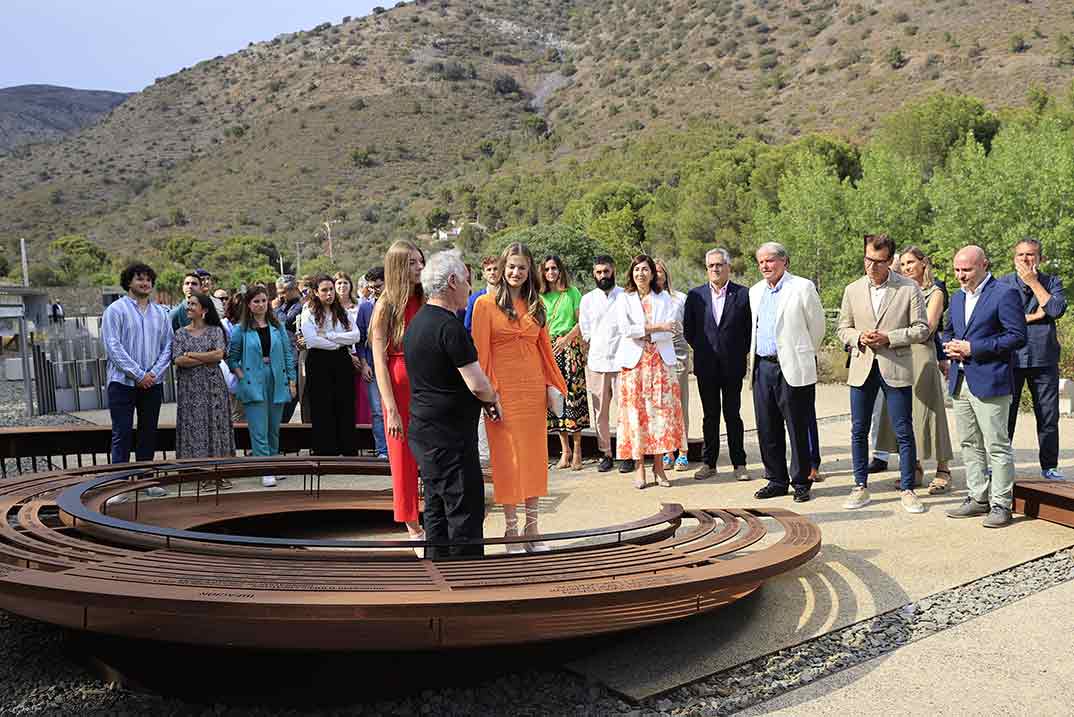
x=330, y=335
x=598, y=325
x=876, y=294
x=719, y=297
x=973, y=296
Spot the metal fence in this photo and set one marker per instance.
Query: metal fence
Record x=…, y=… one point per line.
x=70, y=367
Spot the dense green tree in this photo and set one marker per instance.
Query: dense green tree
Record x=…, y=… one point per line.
x=889, y=198
x=925, y=132
x=567, y=242
x=77, y=261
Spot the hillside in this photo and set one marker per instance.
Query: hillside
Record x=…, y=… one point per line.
x=371, y=122
x=42, y=113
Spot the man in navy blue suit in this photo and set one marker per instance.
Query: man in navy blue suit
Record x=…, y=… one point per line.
x=987, y=327
x=1037, y=363
x=717, y=324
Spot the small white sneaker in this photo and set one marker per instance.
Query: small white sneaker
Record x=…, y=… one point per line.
x=268, y=481
x=911, y=503
x=117, y=499
x=156, y=492
x=858, y=498
x=741, y=473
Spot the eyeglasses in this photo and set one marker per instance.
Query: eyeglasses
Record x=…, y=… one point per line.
x=869, y=261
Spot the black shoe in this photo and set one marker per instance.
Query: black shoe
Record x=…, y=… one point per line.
x=627, y=465
x=772, y=490
x=801, y=495
x=877, y=466
x=606, y=464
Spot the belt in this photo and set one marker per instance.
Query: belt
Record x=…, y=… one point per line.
x=770, y=359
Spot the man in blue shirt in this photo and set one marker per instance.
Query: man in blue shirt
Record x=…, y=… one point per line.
x=1037, y=363
x=191, y=286
x=137, y=337
x=490, y=270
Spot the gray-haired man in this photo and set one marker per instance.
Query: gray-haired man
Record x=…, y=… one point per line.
x=447, y=392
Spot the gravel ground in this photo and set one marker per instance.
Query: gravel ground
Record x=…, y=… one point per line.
x=13, y=414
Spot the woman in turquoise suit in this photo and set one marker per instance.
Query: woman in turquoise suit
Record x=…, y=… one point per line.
x=260, y=357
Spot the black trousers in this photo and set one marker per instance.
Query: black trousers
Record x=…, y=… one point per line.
x=716, y=393
x=454, y=497
x=1044, y=388
x=330, y=387
x=776, y=404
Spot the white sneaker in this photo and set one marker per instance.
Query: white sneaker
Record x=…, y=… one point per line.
x=858, y=498
x=156, y=492
x=268, y=481
x=911, y=503
x=117, y=499
x=741, y=473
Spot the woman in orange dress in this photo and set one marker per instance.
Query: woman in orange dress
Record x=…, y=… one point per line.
x=516, y=354
x=397, y=305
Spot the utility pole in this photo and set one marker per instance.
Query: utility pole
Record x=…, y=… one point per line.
x=280, y=257
x=25, y=264
x=327, y=229
x=298, y=258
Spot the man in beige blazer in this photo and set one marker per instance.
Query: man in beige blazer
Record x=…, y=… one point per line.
x=882, y=313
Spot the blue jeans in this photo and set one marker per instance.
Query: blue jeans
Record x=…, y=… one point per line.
x=123, y=401
x=377, y=413
x=900, y=403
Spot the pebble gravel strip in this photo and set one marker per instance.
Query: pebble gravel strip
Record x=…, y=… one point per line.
x=772, y=675
x=13, y=415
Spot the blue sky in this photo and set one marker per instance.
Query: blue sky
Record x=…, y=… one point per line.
x=124, y=45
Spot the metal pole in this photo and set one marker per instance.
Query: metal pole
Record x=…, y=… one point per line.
x=24, y=354
x=25, y=264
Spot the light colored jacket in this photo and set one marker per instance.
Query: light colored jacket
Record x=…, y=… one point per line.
x=597, y=320
x=799, y=328
x=630, y=316
x=902, y=317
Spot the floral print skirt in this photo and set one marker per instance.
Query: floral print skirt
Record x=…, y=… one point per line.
x=571, y=363
x=650, y=408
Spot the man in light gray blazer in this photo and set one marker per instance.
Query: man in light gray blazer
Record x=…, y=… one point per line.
x=882, y=314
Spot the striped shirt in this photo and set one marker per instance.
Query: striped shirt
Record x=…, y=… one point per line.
x=136, y=342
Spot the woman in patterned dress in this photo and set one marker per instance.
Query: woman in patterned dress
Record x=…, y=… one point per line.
x=561, y=303
x=650, y=403
x=203, y=403
x=400, y=301
x=513, y=347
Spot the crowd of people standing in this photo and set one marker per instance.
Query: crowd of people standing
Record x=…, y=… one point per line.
x=449, y=377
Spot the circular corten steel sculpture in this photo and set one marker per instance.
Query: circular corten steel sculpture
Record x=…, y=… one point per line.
x=143, y=568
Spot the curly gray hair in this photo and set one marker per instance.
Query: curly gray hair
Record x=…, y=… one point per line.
x=439, y=270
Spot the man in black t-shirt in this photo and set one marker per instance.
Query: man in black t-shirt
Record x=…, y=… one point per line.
x=447, y=393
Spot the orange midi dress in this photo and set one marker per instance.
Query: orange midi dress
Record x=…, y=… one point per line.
x=517, y=358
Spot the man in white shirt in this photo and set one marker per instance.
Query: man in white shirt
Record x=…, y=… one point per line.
x=600, y=332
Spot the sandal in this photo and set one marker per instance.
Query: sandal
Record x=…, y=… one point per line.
x=576, y=463
x=564, y=461
x=940, y=485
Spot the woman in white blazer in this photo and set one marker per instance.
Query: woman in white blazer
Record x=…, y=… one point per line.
x=650, y=409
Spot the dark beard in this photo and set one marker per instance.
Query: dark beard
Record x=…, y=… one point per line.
x=606, y=283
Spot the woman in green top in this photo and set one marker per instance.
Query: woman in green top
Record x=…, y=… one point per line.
x=561, y=302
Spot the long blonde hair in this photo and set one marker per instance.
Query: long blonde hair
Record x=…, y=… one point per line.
x=529, y=292
x=390, y=313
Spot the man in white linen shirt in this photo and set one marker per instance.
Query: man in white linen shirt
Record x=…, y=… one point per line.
x=597, y=322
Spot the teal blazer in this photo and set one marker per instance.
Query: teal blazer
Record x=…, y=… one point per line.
x=244, y=352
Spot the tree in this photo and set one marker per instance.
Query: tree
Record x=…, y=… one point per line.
x=567, y=242
x=505, y=84
x=925, y=132
x=76, y=260
x=437, y=219
x=889, y=198
x=812, y=224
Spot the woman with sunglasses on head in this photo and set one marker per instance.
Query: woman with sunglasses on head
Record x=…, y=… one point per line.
x=562, y=302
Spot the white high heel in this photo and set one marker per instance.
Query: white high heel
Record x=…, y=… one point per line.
x=511, y=531
x=534, y=546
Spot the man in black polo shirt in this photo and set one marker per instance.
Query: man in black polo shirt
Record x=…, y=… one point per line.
x=447, y=393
